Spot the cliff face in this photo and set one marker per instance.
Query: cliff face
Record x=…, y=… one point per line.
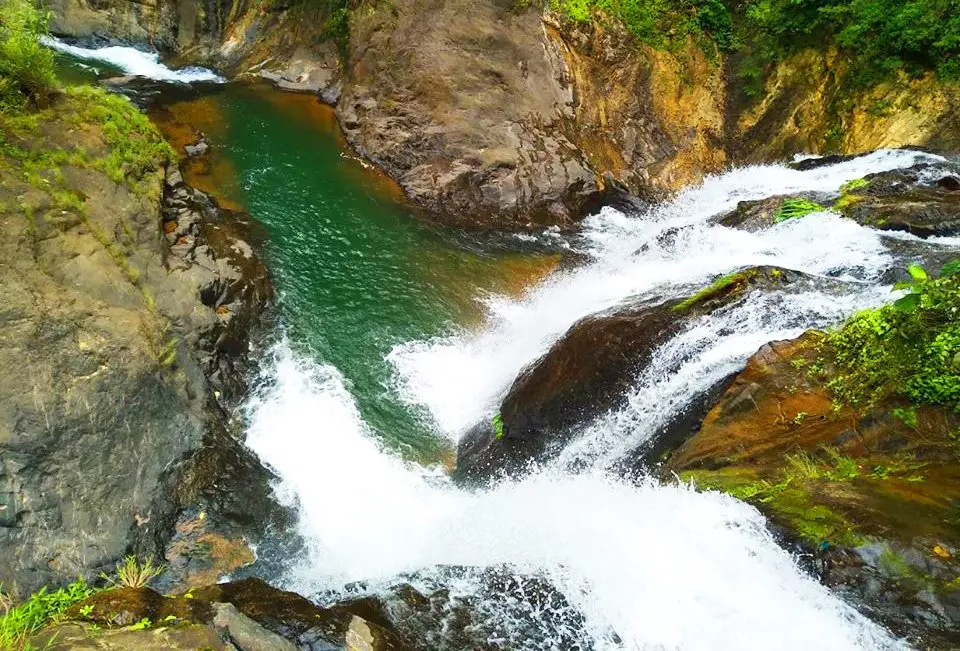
x=493, y=116
x=121, y=347
x=809, y=104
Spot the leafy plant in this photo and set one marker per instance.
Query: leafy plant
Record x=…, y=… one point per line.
x=795, y=208
x=910, y=348
x=143, y=624
x=26, y=65
x=131, y=573
x=20, y=623
x=497, y=423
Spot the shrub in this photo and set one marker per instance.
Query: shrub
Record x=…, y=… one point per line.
x=19, y=623
x=909, y=349
x=659, y=22
x=26, y=65
x=880, y=37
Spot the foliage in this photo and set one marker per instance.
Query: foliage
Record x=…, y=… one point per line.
x=136, y=146
x=497, y=426
x=910, y=348
x=131, y=573
x=26, y=65
x=880, y=37
x=659, y=22
x=794, y=208
x=21, y=622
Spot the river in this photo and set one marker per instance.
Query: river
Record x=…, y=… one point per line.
x=395, y=337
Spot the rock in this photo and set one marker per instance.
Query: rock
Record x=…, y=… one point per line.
x=864, y=495
x=817, y=162
x=297, y=619
x=246, y=634
x=116, y=407
x=199, y=148
x=906, y=200
x=587, y=372
x=757, y=215
x=73, y=637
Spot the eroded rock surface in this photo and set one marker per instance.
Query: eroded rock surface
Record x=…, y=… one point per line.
x=589, y=371
x=128, y=353
x=871, y=498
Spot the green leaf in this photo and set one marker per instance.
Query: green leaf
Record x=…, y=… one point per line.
x=905, y=284
x=908, y=303
x=917, y=272
x=497, y=426
x=952, y=268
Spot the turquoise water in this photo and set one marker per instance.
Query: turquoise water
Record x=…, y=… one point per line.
x=356, y=272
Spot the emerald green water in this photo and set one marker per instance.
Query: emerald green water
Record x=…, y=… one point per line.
x=356, y=273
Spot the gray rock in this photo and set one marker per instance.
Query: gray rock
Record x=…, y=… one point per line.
x=246, y=634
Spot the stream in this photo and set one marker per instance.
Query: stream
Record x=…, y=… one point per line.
x=395, y=337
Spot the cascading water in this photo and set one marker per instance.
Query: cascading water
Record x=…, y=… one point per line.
x=648, y=566
x=134, y=62
x=642, y=565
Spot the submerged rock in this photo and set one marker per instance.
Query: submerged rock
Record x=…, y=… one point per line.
x=588, y=371
x=870, y=496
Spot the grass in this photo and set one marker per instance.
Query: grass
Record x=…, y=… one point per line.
x=20, y=623
x=131, y=573
x=796, y=208
x=26, y=67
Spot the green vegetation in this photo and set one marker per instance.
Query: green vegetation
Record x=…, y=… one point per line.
x=131, y=573
x=789, y=500
x=794, y=208
x=135, y=145
x=19, y=623
x=720, y=286
x=879, y=37
x=26, y=66
x=497, y=426
x=659, y=23
x=910, y=349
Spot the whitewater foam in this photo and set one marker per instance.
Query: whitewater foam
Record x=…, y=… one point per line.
x=134, y=62
x=664, y=567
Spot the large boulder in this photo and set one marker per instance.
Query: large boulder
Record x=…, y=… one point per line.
x=868, y=496
x=923, y=200
x=588, y=372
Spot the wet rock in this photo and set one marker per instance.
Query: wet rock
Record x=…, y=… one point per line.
x=757, y=215
x=74, y=637
x=295, y=618
x=246, y=634
x=916, y=200
x=865, y=496
x=587, y=372
x=817, y=162
x=199, y=148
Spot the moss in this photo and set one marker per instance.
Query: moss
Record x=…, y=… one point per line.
x=791, y=502
x=135, y=145
x=718, y=287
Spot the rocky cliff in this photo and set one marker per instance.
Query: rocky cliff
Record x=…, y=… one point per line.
x=124, y=348
x=491, y=114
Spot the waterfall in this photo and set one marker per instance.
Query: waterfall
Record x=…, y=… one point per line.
x=648, y=566
x=134, y=62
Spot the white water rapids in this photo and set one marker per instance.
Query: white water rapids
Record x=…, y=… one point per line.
x=649, y=566
x=134, y=62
